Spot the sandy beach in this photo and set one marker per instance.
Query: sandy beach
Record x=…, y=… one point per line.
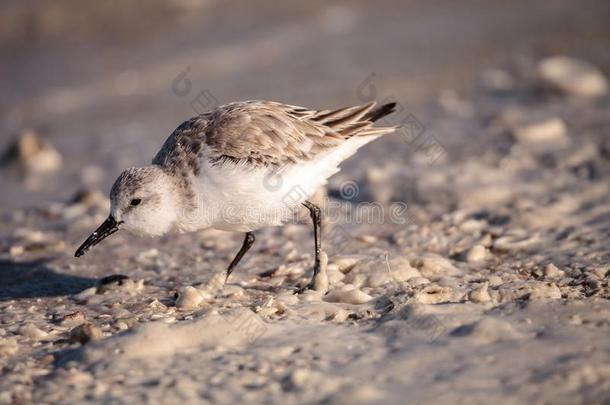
x=466, y=257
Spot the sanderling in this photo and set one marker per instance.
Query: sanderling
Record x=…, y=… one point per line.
x=241, y=167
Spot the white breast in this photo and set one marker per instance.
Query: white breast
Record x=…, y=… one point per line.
x=242, y=198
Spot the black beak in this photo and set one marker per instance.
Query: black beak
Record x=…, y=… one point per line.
x=107, y=228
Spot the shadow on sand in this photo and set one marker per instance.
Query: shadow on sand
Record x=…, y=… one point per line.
x=35, y=279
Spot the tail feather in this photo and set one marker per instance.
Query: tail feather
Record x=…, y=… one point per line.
x=381, y=112
x=377, y=131
x=356, y=120
x=376, y=115
x=359, y=133
x=341, y=115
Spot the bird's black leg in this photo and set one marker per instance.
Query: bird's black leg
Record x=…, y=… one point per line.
x=316, y=216
x=248, y=242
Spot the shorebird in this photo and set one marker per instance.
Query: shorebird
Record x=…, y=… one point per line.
x=241, y=167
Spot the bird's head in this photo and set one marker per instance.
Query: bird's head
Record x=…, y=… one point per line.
x=142, y=201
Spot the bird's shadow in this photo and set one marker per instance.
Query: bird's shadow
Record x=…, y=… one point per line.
x=34, y=279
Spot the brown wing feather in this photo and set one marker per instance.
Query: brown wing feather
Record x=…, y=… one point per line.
x=263, y=133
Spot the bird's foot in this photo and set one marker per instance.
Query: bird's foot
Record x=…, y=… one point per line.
x=301, y=290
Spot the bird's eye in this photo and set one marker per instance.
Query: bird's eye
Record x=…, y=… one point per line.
x=136, y=201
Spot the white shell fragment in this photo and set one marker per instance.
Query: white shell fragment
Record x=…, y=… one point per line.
x=435, y=294
x=480, y=294
x=533, y=290
x=33, y=153
x=434, y=267
x=189, y=298
x=117, y=283
x=549, y=133
x=491, y=330
x=8, y=347
x=347, y=262
x=551, y=271
x=517, y=241
x=477, y=253
x=348, y=294
x=573, y=77
x=30, y=331
x=85, y=333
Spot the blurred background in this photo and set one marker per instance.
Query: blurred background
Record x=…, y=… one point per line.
x=105, y=83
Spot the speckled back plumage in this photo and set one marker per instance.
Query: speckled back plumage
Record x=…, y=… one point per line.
x=264, y=133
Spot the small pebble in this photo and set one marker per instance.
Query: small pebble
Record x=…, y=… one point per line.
x=346, y=263
x=287, y=298
x=310, y=296
x=147, y=255
x=473, y=225
x=90, y=198
x=476, y=254
x=32, y=153
x=495, y=280
x=519, y=241
x=356, y=279
x=550, y=133
x=299, y=378
x=267, y=311
x=401, y=270
x=232, y=290
x=189, y=298
x=340, y=316
x=32, y=332
x=16, y=250
x=85, y=295
x=348, y=294
x=434, y=267
x=72, y=319
x=491, y=330
x=436, y=294
x=8, y=347
x=118, y=282
x=480, y=294
x=415, y=281
x=497, y=80
x=573, y=77
x=546, y=291
x=551, y=271
x=85, y=333
x=334, y=275
x=531, y=289
x=369, y=239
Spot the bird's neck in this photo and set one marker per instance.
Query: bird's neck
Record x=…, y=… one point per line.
x=192, y=213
